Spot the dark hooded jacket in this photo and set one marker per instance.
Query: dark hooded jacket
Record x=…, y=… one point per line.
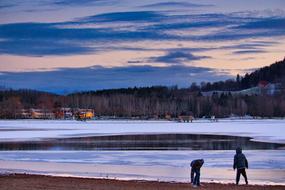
x=240, y=160
x=197, y=164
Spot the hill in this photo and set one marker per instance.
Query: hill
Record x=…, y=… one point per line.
x=274, y=73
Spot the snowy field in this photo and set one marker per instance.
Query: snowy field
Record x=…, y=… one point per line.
x=260, y=130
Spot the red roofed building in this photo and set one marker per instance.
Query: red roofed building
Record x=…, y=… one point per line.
x=263, y=84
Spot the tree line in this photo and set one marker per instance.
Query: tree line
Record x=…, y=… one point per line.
x=158, y=101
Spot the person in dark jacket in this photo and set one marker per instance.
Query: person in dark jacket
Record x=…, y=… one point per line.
x=195, y=171
x=240, y=163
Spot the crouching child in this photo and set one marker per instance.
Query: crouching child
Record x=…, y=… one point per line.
x=195, y=171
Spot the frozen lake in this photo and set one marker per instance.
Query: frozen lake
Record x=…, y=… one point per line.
x=266, y=167
x=258, y=159
x=260, y=130
x=71, y=148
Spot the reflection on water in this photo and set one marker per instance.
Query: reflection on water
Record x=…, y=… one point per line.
x=143, y=142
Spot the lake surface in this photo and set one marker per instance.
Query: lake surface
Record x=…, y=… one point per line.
x=144, y=150
x=143, y=142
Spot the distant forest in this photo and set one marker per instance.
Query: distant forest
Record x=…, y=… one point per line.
x=158, y=101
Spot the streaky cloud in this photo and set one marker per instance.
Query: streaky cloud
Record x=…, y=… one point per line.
x=7, y=6
x=145, y=16
x=249, y=51
x=175, y=4
x=177, y=57
x=31, y=38
x=81, y=2
x=35, y=48
x=39, y=39
x=252, y=45
x=265, y=23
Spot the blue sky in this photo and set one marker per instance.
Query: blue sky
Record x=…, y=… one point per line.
x=68, y=45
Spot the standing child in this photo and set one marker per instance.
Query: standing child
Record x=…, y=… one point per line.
x=240, y=163
x=195, y=171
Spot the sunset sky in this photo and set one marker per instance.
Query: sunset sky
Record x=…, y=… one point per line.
x=64, y=46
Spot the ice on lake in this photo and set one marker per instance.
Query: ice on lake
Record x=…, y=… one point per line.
x=267, y=130
x=153, y=165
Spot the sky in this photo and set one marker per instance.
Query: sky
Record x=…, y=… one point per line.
x=64, y=46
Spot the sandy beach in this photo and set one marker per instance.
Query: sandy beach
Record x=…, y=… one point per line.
x=39, y=182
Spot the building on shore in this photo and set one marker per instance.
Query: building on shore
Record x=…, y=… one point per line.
x=186, y=118
x=41, y=114
x=84, y=114
x=60, y=113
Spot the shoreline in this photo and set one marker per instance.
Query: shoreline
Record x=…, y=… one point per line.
x=34, y=182
x=133, y=172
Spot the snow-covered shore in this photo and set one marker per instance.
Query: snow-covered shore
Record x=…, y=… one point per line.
x=260, y=130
